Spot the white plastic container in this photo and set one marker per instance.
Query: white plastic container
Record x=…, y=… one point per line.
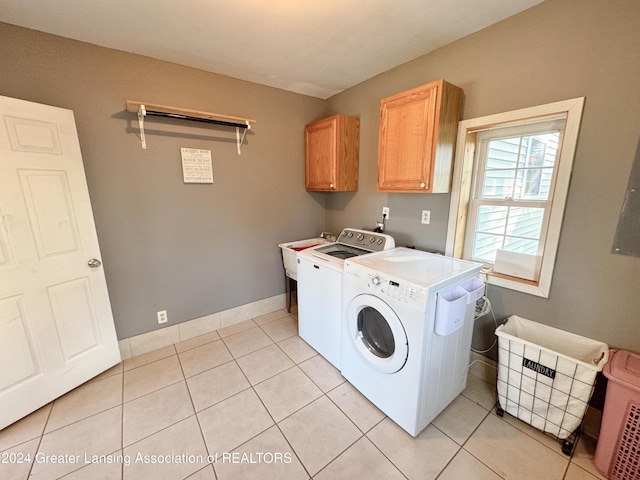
x=290, y=251
x=546, y=375
x=451, y=308
x=474, y=288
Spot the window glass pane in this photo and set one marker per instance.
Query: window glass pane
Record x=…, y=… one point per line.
x=524, y=223
x=492, y=219
x=503, y=153
x=515, y=229
x=499, y=184
x=486, y=246
x=520, y=167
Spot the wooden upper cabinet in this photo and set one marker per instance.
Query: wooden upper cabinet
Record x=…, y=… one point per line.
x=417, y=138
x=331, y=154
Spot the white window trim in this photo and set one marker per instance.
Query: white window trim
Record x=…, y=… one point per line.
x=463, y=178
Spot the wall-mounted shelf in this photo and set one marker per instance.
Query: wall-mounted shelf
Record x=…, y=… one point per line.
x=144, y=109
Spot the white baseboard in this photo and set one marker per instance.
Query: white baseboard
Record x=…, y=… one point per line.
x=146, y=342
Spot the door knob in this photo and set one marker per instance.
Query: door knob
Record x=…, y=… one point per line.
x=94, y=263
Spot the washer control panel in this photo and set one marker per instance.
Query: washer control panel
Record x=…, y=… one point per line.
x=372, y=241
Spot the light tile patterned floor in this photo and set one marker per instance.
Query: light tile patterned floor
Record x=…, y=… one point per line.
x=254, y=401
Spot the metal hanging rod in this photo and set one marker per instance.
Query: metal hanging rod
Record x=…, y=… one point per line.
x=196, y=119
x=144, y=109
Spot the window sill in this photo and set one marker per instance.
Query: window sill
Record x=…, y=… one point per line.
x=513, y=283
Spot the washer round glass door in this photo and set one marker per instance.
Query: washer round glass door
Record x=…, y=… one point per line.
x=377, y=333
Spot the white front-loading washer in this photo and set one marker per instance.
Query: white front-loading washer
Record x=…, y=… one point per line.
x=390, y=350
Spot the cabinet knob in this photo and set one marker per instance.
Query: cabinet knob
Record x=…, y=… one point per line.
x=331, y=185
x=422, y=185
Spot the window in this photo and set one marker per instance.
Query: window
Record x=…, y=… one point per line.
x=513, y=190
x=511, y=178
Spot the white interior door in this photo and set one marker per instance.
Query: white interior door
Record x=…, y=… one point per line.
x=56, y=325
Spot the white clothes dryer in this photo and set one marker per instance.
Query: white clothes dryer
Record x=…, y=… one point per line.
x=391, y=352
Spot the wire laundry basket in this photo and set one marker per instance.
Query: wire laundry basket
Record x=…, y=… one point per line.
x=546, y=376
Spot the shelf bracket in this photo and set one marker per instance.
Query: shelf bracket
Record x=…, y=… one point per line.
x=141, y=114
x=240, y=140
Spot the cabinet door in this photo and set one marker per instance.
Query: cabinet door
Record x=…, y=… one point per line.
x=406, y=142
x=321, y=154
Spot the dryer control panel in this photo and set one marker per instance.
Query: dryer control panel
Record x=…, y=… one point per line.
x=389, y=288
x=401, y=291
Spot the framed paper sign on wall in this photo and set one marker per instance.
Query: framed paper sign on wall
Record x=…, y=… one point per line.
x=196, y=165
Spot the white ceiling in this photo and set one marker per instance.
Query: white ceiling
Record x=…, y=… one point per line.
x=314, y=47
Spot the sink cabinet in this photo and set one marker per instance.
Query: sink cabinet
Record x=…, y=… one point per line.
x=417, y=138
x=331, y=154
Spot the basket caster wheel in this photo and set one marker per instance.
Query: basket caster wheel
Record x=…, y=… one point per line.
x=499, y=411
x=567, y=447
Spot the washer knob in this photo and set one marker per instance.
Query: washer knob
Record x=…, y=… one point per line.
x=350, y=234
x=360, y=236
x=375, y=280
x=372, y=240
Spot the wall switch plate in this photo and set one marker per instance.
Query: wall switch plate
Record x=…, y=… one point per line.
x=426, y=217
x=162, y=316
x=385, y=211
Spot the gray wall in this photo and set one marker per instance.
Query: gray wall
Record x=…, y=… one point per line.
x=199, y=249
x=557, y=50
x=190, y=249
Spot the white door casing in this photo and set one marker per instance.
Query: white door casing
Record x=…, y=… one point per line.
x=56, y=324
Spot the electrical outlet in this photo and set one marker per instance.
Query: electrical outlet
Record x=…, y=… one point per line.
x=162, y=316
x=426, y=217
x=385, y=211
